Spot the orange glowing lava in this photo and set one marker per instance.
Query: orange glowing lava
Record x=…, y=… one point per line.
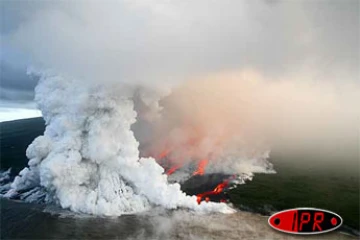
x=201, y=167
x=217, y=190
x=172, y=170
x=164, y=153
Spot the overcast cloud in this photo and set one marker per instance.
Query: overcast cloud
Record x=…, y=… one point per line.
x=167, y=41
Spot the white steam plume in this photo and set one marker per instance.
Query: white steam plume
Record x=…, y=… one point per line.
x=88, y=159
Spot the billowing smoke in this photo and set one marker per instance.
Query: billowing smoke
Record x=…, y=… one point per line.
x=130, y=90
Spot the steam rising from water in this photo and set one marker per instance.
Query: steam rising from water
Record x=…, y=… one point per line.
x=88, y=159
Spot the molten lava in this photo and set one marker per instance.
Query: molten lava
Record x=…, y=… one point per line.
x=164, y=158
x=172, y=170
x=217, y=190
x=164, y=153
x=201, y=167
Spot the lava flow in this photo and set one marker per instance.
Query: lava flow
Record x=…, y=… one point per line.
x=201, y=167
x=216, y=194
x=172, y=170
x=217, y=191
x=164, y=155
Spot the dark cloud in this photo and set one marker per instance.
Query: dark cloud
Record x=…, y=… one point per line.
x=16, y=95
x=16, y=78
x=15, y=83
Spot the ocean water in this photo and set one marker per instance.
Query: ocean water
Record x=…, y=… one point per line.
x=31, y=221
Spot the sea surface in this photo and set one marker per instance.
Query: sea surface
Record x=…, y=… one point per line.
x=31, y=221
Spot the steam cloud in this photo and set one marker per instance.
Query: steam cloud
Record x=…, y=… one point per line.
x=130, y=79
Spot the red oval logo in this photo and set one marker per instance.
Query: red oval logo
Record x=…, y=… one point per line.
x=305, y=221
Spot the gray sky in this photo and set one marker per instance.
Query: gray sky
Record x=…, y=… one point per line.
x=167, y=41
